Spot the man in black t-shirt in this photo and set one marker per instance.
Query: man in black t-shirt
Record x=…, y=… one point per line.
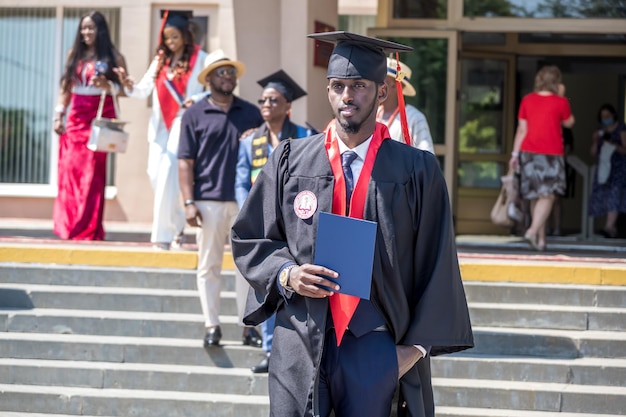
x=207, y=160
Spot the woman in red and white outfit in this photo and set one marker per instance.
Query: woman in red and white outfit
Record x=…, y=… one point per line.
x=172, y=81
x=79, y=206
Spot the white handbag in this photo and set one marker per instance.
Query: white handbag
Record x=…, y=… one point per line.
x=604, y=162
x=107, y=135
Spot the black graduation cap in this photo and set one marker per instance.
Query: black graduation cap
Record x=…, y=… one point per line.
x=284, y=84
x=358, y=56
x=177, y=18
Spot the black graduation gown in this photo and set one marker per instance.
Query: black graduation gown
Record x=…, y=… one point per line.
x=416, y=283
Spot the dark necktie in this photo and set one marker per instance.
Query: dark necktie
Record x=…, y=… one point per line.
x=346, y=160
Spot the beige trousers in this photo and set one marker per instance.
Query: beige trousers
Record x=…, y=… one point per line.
x=217, y=219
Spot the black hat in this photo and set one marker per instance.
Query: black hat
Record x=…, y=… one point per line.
x=177, y=18
x=357, y=56
x=284, y=84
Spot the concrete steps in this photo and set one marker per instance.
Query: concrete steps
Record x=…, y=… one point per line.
x=122, y=402
x=535, y=396
x=580, y=371
x=109, y=299
x=110, y=277
x=569, y=317
x=539, y=316
x=126, y=350
x=493, y=412
x=156, y=377
x=111, y=341
x=21, y=414
x=546, y=294
x=548, y=343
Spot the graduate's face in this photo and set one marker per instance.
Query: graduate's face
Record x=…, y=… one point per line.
x=354, y=101
x=274, y=106
x=223, y=80
x=173, y=39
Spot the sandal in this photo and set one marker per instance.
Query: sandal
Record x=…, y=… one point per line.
x=609, y=233
x=532, y=241
x=178, y=241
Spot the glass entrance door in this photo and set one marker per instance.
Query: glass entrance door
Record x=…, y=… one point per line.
x=484, y=136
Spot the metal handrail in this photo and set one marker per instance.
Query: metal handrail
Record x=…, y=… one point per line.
x=584, y=170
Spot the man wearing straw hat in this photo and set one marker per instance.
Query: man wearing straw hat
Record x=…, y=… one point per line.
x=389, y=111
x=207, y=160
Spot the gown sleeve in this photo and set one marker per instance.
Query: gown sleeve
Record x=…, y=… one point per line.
x=144, y=87
x=258, y=238
x=440, y=313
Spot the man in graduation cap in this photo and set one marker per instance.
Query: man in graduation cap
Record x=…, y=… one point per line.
x=279, y=91
x=334, y=352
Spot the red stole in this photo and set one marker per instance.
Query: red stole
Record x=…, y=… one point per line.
x=171, y=93
x=343, y=306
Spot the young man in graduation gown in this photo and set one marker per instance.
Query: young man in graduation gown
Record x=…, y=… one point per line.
x=417, y=306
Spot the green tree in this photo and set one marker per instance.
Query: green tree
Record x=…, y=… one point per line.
x=480, y=8
x=556, y=8
x=602, y=8
x=422, y=9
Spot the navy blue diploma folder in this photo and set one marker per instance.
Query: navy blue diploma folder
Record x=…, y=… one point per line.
x=346, y=245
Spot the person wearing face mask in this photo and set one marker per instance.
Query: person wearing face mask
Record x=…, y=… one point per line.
x=608, y=195
x=172, y=81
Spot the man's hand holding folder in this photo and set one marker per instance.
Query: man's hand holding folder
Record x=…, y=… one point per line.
x=309, y=281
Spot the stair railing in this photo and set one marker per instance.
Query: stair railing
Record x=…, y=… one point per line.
x=585, y=171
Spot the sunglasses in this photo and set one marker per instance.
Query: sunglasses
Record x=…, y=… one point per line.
x=273, y=100
x=224, y=71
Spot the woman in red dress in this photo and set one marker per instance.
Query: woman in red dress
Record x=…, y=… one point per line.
x=79, y=206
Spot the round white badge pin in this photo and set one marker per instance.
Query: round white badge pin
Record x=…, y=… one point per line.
x=305, y=204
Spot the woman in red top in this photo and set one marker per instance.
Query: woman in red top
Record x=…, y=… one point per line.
x=538, y=149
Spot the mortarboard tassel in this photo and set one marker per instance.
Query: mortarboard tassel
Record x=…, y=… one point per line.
x=401, y=106
x=165, y=14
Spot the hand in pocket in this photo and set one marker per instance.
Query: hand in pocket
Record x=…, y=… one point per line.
x=407, y=357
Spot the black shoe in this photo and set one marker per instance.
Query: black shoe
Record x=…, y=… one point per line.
x=263, y=366
x=253, y=338
x=213, y=336
x=609, y=233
